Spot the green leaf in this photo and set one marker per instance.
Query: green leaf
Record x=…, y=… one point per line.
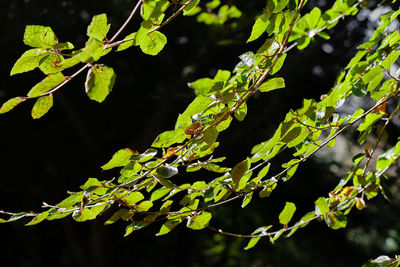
x=119, y=214
x=371, y=74
x=93, y=51
x=313, y=18
x=169, y=138
x=189, y=8
x=134, y=227
x=199, y=222
x=39, y=36
x=42, y=106
x=98, y=28
x=241, y=113
x=144, y=205
x=390, y=59
x=287, y=213
x=239, y=171
x=279, y=64
x=159, y=193
x=153, y=43
x=133, y=198
x=88, y=213
x=11, y=103
x=38, y=218
x=168, y=226
x=253, y=241
x=28, y=61
x=147, y=155
x=121, y=158
x=272, y=84
x=322, y=206
x=63, y=46
x=99, y=82
x=71, y=200
x=51, y=63
x=247, y=199
x=202, y=86
x=335, y=220
x=167, y=171
x=369, y=120
x=127, y=44
x=46, y=84
x=259, y=27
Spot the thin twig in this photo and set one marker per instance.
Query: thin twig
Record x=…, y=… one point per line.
x=126, y=22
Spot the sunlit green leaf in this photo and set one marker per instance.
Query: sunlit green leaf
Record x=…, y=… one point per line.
x=28, y=61
x=121, y=158
x=98, y=28
x=10, y=104
x=42, y=106
x=127, y=44
x=99, y=82
x=46, y=84
x=39, y=36
x=153, y=43
x=198, y=222
x=322, y=205
x=38, y=218
x=287, y=213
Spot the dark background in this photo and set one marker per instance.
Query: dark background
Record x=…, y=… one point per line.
x=42, y=159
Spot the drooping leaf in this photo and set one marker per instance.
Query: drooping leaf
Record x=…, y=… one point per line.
x=119, y=214
x=198, y=222
x=272, y=84
x=98, y=28
x=11, y=103
x=121, y=158
x=39, y=36
x=134, y=227
x=46, y=84
x=239, y=171
x=153, y=43
x=287, y=213
x=167, y=171
x=168, y=226
x=42, y=106
x=99, y=82
x=253, y=241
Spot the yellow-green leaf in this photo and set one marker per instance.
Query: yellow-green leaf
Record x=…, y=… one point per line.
x=98, y=28
x=10, y=104
x=46, y=84
x=287, y=213
x=29, y=60
x=99, y=82
x=39, y=36
x=272, y=84
x=42, y=106
x=153, y=43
